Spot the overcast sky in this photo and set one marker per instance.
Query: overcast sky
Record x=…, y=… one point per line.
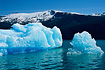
x=28, y=6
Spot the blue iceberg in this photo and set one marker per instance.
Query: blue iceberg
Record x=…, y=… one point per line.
x=29, y=38
x=84, y=43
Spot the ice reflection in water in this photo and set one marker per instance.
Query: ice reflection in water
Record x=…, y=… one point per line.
x=54, y=59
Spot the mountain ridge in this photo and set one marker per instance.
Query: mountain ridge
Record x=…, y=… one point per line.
x=70, y=23
x=36, y=16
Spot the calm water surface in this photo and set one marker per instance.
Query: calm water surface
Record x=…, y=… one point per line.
x=55, y=59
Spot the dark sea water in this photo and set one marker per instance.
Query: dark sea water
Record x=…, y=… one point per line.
x=55, y=59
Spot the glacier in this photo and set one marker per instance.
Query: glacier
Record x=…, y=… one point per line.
x=29, y=38
x=27, y=17
x=23, y=18
x=84, y=43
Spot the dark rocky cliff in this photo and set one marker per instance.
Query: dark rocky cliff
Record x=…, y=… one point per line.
x=73, y=23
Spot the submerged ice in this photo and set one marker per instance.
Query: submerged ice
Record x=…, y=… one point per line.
x=83, y=43
x=28, y=38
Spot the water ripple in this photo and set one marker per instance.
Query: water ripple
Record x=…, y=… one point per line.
x=55, y=59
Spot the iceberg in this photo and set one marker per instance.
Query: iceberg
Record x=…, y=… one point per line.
x=29, y=38
x=84, y=43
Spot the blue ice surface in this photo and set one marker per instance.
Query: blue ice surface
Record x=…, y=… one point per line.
x=29, y=38
x=84, y=43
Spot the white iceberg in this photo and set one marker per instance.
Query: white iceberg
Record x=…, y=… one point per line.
x=84, y=43
x=29, y=38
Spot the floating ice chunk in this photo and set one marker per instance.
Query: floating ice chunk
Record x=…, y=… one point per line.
x=84, y=43
x=29, y=38
x=1, y=54
x=73, y=51
x=3, y=45
x=19, y=28
x=57, y=36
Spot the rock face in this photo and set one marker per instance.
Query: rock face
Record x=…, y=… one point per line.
x=72, y=23
x=69, y=23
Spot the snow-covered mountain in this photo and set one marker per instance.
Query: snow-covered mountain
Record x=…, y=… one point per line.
x=28, y=17
x=24, y=18
x=98, y=14
x=68, y=22
x=31, y=17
